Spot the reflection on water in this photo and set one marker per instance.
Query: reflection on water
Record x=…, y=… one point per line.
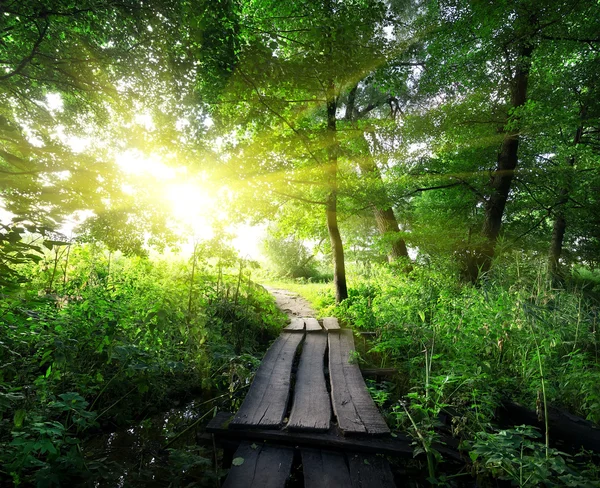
x=136, y=455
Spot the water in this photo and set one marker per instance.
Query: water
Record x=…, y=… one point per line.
x=147, y=454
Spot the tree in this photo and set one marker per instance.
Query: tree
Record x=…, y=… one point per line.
x=481, y=61
x=70, y=88
x=295, y=63
x=386, y=221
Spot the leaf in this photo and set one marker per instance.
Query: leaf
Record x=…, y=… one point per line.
x=19, y=418
x=253, y=445
x=366, y=461
x=238, y=461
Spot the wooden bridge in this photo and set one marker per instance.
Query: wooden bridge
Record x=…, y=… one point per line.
x=321, y=426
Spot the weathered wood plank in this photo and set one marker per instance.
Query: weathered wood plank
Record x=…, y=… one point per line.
x=311, y=406
x=297, y=324
x=312, y=324
x=355, y=410
x=266, y=402
x=324, y=469
x=394, y=446
x=262, y=467
x=331, y=323
x=370, y=472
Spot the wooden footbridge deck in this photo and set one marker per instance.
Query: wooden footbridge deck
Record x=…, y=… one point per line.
x=323, y=427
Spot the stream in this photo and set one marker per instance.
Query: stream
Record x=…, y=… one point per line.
x=166, y=449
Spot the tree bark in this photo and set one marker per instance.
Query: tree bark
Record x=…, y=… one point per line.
x=337, y=248
x=501, y=178
x=560, y=221
x=384, y=216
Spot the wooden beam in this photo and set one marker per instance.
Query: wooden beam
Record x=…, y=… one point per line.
x=266, y=401
x=331, y=323
x=297, y=324
x=352, y=404
x=259, y=466
x=312, y=324
x=311, y=406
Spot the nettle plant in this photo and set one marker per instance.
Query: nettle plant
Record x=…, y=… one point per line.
x=518, y=456
x=50, y=447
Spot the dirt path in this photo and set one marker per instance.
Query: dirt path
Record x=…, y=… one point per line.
x=291, y=303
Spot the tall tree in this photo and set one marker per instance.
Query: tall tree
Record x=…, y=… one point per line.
x=295, y=62
x=480, y=61
x=385, y=219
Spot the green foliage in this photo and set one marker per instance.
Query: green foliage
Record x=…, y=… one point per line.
x=290, y=257
x=468, y=347
x=518, y=456
x=117, y=337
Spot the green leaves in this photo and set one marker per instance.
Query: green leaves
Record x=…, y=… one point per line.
x=238, y=461
x=19, y=417
x=515, y=455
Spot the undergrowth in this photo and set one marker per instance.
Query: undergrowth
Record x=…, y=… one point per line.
x=515, y=336
x=98, y=340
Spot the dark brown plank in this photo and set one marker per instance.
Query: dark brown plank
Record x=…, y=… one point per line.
x=370, y=472
x=266, y=401
x=324, y=469
x=312, y=324
x=262, y=467
x=355, y=410
x=400, y=445
x=311, y=406
x=297, y=324
x=331, y=323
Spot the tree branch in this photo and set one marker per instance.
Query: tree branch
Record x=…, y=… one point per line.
x=27, y=59
x=296, y=197
x=280, y=117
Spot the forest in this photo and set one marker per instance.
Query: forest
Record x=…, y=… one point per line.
x=427, y=171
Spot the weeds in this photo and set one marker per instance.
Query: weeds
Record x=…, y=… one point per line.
x=455, y=345
x=115, y=341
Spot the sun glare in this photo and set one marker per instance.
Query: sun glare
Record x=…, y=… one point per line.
x=195, y=206
x=192, y=206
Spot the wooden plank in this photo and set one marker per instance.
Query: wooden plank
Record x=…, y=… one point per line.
x=355, y=410
x=324, y=469
x=297, y=324
x=262, y=467
x=331, y=323
x=370, y=472
x=311, y=406
x=400, y=445
x=312, y=324
x=266, y=402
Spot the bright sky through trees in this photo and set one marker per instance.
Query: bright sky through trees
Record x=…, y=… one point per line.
x=191, y=201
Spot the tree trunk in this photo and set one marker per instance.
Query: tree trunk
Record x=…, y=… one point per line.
x=337, y=248
x=501, y=178
x=560, y=222
x=556, y=244
x=384, y=215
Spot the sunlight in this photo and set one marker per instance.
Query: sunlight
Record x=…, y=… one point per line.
x=192, y=206
x=134, y=162
x=195, y=206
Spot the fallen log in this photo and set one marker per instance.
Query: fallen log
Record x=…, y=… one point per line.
x=574, y=432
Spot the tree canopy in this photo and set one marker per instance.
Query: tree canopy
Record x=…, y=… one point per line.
x=452, y=127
